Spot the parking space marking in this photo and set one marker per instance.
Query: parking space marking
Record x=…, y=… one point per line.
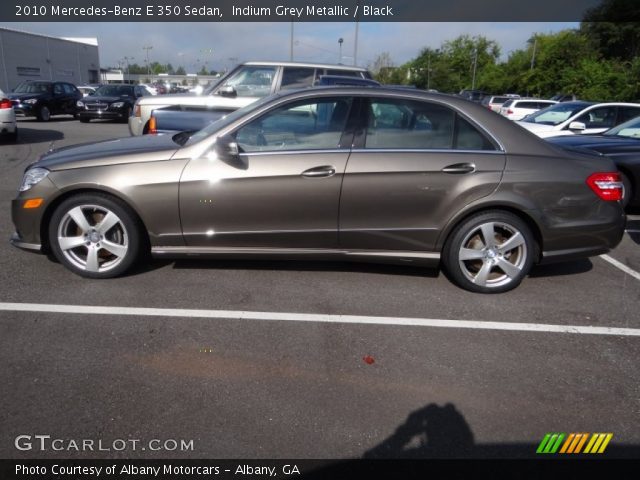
x=621, y=266
x=310, y=317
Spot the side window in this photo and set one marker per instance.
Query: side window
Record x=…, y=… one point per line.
x=604, y=117
x=297, y=77
x=469, y=138
x=252, y=81
x=57, y=89
x=315, y=124
x=344, y=73
x=627, y=113
x=408, y=124
x=68, y=88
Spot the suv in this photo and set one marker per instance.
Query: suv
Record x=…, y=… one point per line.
x=243, y=85
x=41, y=99
x=520, y=108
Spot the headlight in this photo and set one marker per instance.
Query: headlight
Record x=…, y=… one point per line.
x=117, y=105
x=79, y=104
x=32, y=177
x=31, y=101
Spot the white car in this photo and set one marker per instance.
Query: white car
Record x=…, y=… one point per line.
x=149, y=88
x=517, y=109
x=572, y=118
x=8, y=125
x=243, y=85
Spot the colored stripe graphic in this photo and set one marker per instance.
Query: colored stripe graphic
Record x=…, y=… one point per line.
x=574, y=442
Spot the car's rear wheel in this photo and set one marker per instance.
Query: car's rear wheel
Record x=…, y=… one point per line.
x=490, y=252
x=44, y=114
x=95, y=235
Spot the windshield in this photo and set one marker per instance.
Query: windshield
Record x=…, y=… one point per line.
x=33, y=87
x=226, y=120
x=555, y=114
x=628, y=129
x=114, y=91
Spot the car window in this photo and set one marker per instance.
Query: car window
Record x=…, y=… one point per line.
x=508, y=103
x=627, y=113
x=315, y=124
x=344, y=73
x=603, y=117
x=252, y=81
x=57, y=89
x=555, y=114
x=409, y=124
x=297, y=77
x=68, y=88
x=468, y=137
x=529, y=105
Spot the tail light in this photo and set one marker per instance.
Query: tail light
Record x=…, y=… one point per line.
x=5, y=103
x=608, y=186
x=509, y=112
x=153, y=128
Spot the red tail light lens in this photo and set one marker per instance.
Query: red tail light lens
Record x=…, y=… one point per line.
x=608, y=186
x=5, y=103
x=509, y=112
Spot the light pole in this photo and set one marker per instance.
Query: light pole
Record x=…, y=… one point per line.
x=147, y=48
x=126, y=59
x=340, y=40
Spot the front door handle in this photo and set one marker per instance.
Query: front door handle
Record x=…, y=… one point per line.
x=319, y=172
x=460, y=168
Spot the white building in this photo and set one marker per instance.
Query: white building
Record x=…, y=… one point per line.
x=31, y=56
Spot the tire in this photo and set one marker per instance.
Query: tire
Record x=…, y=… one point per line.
x=44, y=114
x=628, y=190
x=485, y=266
x=84, y=120
x=81, y=243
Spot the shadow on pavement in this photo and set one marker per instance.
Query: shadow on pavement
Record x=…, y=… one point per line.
x=563, y=268
x=33, y=135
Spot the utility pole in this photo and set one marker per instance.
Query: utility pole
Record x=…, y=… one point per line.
x=355, y=44
x=340, y=40
x=533, y=54
x=475, y=66
x=291, y=44
x=147, y=48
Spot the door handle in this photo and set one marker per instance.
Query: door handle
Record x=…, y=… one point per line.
x=460, y=168
x=319, y=172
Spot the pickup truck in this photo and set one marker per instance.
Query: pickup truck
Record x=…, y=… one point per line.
x=181, y=118
x=243, y=85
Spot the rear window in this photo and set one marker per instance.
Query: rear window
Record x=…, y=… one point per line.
x=499, y=100
x=508, y=103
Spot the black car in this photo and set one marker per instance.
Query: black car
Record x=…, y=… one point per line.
x=41, y=99
x=114, y=102
x=622, y=145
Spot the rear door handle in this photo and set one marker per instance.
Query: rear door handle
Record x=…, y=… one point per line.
x=460, y=168
x=318, y=172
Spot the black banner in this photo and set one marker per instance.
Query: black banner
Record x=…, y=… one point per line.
x=122, y=469
x=306, y=10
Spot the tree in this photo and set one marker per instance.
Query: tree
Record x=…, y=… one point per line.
x=613, y=28
x=203, y=71
x=180, y=71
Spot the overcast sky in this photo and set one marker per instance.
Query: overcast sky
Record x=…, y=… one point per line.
x=222, y=44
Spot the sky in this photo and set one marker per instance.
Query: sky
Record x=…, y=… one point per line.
x=221, y=45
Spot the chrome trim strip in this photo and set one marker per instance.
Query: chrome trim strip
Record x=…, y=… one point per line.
x=293, y=152
x=293, y=251
x=423, y=150
x=16, y=242
x=315, y=230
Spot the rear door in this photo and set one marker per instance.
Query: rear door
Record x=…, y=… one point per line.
x=413, y=166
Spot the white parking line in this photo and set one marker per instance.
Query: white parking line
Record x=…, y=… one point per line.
x=632, y=231
x=621, y=266
x=309, y=317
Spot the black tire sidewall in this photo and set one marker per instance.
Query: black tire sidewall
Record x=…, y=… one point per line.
x=451, y=265
x=110, y=203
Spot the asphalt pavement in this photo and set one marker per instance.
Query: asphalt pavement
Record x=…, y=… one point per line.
x=246, y=359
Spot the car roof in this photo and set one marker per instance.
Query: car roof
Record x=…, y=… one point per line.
x=310, y=65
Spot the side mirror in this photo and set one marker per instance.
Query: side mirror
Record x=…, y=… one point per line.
x=227, y=150
x=227, y=91
x=578, y=126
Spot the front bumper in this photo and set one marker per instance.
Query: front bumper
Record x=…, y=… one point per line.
x=25, y=109
x=119, y=114
x=17, y=241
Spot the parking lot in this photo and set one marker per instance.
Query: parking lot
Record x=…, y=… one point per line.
x=308, y=360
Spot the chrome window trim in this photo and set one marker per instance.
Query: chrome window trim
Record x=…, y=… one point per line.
x=424, y=150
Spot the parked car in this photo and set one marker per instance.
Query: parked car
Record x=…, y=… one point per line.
x=114, y=102
x=87, y=90
x=42, y=99
x=473, y=95
x=8, y=125
x=149, y=88
x=518, y=108
x=494, y=102
x=243, y=85
x=571, y=118
x=622, y=145
x=272, y=179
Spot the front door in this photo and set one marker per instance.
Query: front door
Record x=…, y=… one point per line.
x=284, y=189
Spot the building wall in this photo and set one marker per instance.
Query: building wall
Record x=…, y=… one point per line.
x=25, y=56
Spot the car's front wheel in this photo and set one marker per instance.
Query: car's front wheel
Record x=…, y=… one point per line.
x=95, y=235
x=490, y=252
x=44, y=114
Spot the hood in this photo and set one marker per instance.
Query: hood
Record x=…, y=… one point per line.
x=100, y=99
x=110, y=152
x=535, y=127
x=599, y=143
x=24, y=96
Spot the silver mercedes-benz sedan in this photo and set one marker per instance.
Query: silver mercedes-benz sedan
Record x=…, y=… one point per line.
x=371, y=174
